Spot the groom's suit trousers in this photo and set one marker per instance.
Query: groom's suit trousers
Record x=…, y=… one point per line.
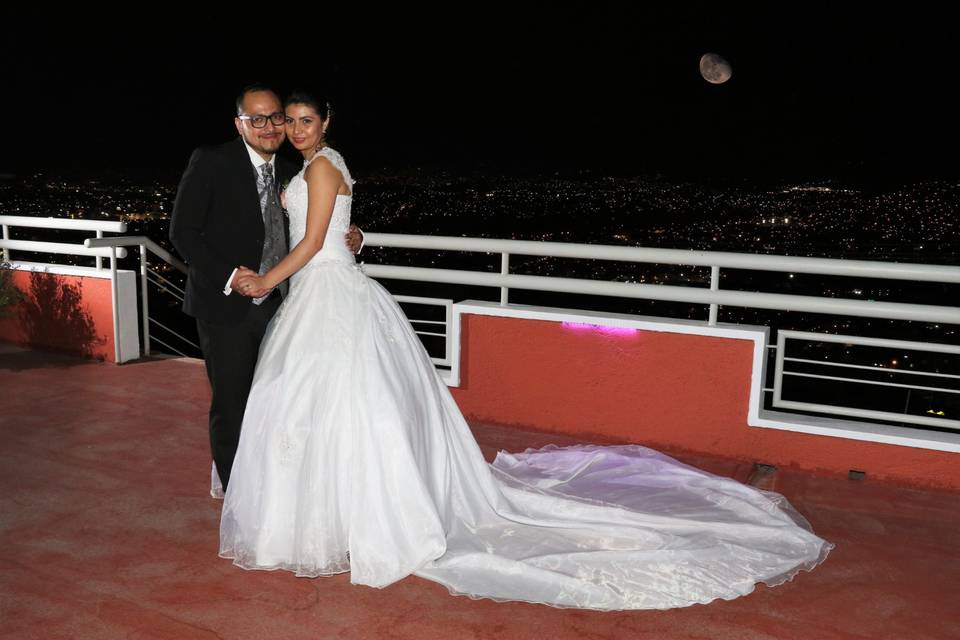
x=230, y=351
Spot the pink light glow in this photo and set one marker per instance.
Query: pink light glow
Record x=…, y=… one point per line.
x=599, y=328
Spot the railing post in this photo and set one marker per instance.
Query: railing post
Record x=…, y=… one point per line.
x=144, y=307
x=504, y=270
x=114, y=294
x=6, y=236
x=99, y=259
x=714, y=286
x=448, y=329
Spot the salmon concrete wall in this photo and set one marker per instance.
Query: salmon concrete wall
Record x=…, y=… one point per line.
x=666, y=390
x=72, y=314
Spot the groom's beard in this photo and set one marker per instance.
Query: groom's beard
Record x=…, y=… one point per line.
x=267, y=144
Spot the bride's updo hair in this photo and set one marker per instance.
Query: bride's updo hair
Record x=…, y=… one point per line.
x=318, y=104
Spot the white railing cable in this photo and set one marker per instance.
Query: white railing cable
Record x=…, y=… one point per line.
x=168, y=329
x=866, y=341
x=164, y=289
x=166, y=283
x=878, y=383
x=846, y=365
x=164, y=344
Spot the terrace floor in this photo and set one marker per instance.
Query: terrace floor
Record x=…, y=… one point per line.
x=107, y=531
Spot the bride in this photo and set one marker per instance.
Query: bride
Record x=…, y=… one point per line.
x=354, y=457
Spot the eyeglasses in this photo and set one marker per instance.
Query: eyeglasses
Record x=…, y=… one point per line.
x=259, y=122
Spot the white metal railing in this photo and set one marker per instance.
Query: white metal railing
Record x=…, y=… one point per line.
x=713, y=296
x=147, y=274
x=99, y=226
x=446, y=360
x=80, y=250
x=150, y=275
x=100, y=247
x=781, y=372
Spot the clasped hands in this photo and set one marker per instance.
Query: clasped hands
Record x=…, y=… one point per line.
x=249, y=283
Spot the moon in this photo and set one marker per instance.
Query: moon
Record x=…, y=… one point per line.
x=714, y=68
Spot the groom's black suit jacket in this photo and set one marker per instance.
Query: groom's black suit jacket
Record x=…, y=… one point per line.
x=217, y=226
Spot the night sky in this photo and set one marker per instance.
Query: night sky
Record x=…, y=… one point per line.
x=818, y=92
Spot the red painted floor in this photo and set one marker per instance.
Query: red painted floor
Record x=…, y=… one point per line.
x=107, y=531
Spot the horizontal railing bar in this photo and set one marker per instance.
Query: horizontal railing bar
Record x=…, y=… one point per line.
x=727, y=260
x=868, y=413
x=130, y=241
x=60, y=248
x=436, y=302
x=866, y=341
x=879, y=383
x=67, y=224
x=871, y=368
x=785, y=302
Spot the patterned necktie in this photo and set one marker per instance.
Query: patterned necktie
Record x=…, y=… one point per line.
x=266, y=184
x=274, y=235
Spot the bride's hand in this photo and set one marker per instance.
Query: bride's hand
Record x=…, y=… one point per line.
x=283, y=199
x=253, y=286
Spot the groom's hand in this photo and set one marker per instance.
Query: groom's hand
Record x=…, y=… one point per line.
x=354, y=239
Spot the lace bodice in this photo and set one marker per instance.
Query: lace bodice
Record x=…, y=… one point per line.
x=334, y=245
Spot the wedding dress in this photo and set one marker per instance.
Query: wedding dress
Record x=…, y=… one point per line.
x=353, y=456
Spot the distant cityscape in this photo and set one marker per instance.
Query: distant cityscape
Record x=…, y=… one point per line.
x=915, y=222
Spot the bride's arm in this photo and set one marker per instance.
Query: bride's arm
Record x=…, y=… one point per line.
x=323, y=182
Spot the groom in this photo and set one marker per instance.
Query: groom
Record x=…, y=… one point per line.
x=227, y=221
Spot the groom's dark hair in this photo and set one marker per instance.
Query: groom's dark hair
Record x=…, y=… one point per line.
x=252, y=88
x=318, y=104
